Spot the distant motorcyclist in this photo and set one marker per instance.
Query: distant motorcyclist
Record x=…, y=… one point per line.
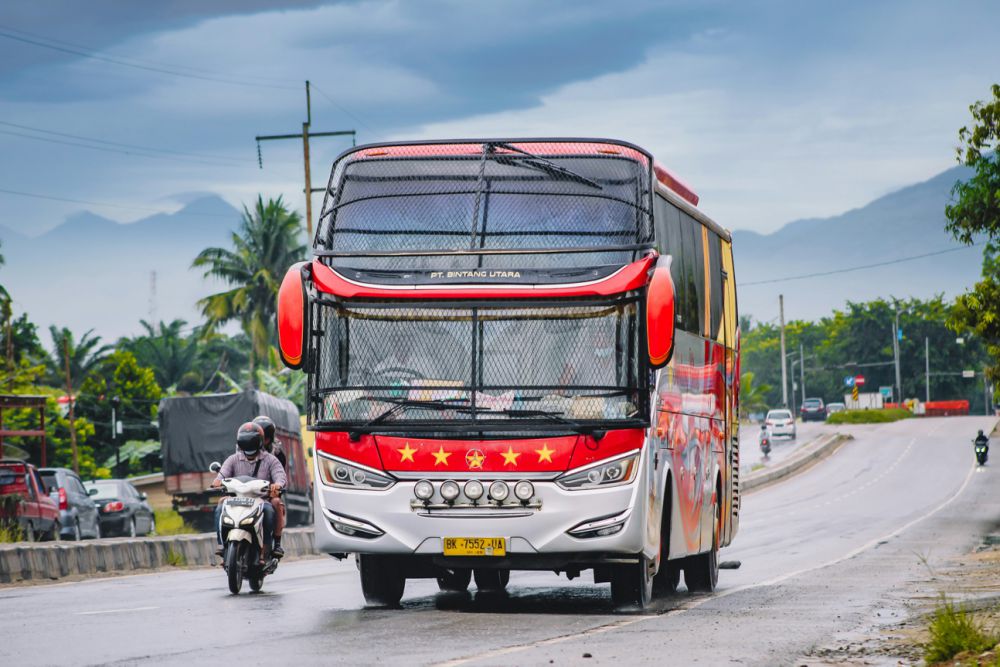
x=982, y=440
x=251, y=460
x=273, y=446
x=765, y=440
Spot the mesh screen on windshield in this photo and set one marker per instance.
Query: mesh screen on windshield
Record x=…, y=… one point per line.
x=578, y=360
x=488, y=197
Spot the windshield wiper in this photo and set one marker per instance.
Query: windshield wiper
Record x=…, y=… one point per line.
x=557, y=417
x=546, y=165
x=402, y=403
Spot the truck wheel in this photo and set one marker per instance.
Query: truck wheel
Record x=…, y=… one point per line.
x=701, y=572
x=382, y=580
x=632, y=585
x=233, y=560
x=491, y=581
x=455, y=581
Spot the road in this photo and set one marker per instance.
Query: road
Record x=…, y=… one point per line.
x=751, y=457
x=823, y=553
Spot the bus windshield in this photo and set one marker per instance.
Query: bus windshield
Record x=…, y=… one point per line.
x=483, y=198
x=501, y=364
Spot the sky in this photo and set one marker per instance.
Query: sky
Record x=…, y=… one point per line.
x=773, y=111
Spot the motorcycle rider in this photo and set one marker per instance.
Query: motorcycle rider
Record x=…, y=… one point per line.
x=983, y=440
x=251, y=460
x=273, y=446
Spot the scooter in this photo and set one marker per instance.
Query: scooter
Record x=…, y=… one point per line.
x=765, y=443
x=242, y=529
x=981, y=452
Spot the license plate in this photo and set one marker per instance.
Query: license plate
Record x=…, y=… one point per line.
x=475, y=546
x=242, y=502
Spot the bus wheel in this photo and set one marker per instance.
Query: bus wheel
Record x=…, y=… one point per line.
x=632, y=585
x=455, y=581
x=382, y=580
x=666, y=580
x=491, y=581
x=701, y=572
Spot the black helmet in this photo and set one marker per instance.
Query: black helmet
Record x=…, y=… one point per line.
x=980, y=431
x=267, y=425
x=249, y=438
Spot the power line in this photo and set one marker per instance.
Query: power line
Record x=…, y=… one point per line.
x=859, y=268
x=341, y=107
x=123, y=145
x=135, y=65
x=85, y=202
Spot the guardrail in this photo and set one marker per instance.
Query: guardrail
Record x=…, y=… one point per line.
x=809, y=454
x=23, y=562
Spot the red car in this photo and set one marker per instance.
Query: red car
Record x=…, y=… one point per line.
x=37, y=514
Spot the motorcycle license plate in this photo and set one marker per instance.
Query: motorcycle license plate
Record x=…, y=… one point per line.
x=242, y=502
x=475, y=546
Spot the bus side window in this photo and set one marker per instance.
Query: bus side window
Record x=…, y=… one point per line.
x=693, y=276
x=670, y=242
x=715, y=286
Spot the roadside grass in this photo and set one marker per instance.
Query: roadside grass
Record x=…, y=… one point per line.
x=175, y=558
x=878, y=416
x=169, y=522
x=953, y=631
x=10, y=534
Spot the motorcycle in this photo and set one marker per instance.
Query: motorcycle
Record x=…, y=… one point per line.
x=981, y=452
x=242, y=528
x=765, y=443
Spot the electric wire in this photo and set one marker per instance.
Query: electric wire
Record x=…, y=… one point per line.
x=341, y=107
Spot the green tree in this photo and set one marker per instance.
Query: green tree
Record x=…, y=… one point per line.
x=267, y=243
x=975, y=211
x=171, y=355
x=752, y=396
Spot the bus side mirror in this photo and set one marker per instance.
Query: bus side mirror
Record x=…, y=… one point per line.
x=293, y=316
x=660, y=315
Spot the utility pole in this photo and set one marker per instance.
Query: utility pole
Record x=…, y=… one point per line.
x=895, y=349
x=114, y=435
x=304, y=136
x=802, y=370
x=72, y=404
x=784, y=372
x=927, y=369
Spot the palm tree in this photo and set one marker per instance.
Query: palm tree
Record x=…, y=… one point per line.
x=266, y=244
x=166, y=350
x=68, y=365
x=752, y=397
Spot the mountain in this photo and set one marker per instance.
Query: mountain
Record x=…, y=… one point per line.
x=899, y=225
x=92, y=272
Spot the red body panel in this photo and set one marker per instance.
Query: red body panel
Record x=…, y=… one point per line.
x=630, y=277
x=292, y=317
x=537, y=147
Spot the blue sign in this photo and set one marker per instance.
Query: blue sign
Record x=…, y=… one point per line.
x=899, y=333
x=848, y=380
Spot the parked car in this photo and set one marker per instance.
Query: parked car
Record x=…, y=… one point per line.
x=37, y=514
x=123, y=510
x=813, y=410
x=780, y=423
x=832, y=408
x=77, y=513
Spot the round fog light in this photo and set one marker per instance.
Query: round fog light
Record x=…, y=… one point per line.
x=423, y=490
x=474, y=489
x=449, y=490
x=499, y=491
x=341, y=474
x=358, y=477
x=524, y=490
x=595, y=475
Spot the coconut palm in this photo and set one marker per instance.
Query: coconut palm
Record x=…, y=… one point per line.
x=166, y=350
x=752, y=397
x=268, y=242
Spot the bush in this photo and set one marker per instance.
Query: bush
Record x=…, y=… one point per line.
x=175, y=558
x=954, y=631
x=169, y=522
x=868, y=416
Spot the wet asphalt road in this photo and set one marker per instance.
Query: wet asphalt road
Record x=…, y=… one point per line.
x=823, y=554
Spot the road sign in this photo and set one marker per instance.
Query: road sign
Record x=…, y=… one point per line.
x=849, y=381
x=968, y=374
x=899, y=334
x=886, y=392
x=854, y=392
x=859, y=380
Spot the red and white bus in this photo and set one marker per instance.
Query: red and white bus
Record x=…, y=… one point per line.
x=521, y=355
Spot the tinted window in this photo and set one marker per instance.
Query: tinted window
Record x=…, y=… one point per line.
x=50, y=479
x=669, y=242
x=779, y=414
x=693, y=275
x=105, y=490
x=715, y=283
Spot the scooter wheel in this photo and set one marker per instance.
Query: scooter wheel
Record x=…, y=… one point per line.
x=257, y=583
x=234, y=558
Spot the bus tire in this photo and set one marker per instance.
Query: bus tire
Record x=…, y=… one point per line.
x=632, y=585
x=454, y=581
x=667, y=579
x=701, y=572
x=382, y=580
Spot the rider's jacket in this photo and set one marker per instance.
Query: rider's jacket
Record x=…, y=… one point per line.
x=264, y=466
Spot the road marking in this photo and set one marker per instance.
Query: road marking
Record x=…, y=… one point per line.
x=114, y=611
x=694, y=604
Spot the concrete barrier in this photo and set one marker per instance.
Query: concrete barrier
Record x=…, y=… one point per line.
x=23, y=561
x=806, y=456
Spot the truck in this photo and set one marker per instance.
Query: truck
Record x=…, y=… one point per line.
x=197, y=430
x=25, y=502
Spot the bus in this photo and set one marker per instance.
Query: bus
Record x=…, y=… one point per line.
x=522, y=354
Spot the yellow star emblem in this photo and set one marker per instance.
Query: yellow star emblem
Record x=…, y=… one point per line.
x=510, y=456
x=406, y=453
x=545, y=454
x=441, y=456
x=474, y=459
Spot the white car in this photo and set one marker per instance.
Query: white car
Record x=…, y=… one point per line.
x=780, y=423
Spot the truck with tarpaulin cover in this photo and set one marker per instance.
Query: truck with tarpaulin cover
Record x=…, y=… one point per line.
x=522, y=354
x=196, y=430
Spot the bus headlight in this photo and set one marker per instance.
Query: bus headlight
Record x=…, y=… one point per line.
x=449, y=491
x=474, y=490
x=524, y=490
x=499, y=491
x=613, y=472
x=340, y=473
x=423, y=490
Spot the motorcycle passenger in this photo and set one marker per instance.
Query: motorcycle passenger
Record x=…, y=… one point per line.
x=273, y=446
x=251, y=460
x=983, y=440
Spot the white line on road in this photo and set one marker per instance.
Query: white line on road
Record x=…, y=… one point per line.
x=693, y=604
x=114, y=611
